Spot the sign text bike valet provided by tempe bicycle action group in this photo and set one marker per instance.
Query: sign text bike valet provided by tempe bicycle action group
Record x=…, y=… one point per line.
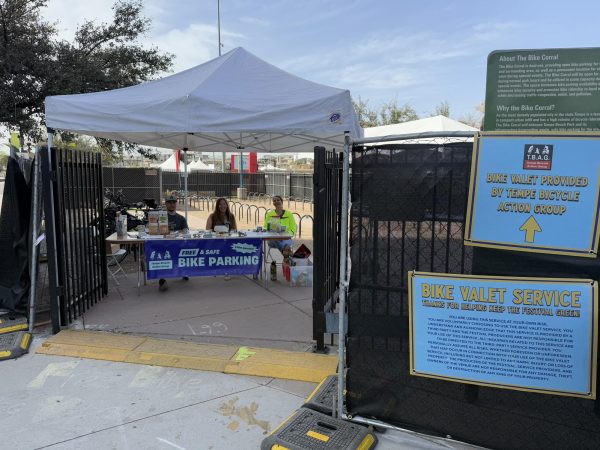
x=535, y=192
x=171, y=258
x=532, y=334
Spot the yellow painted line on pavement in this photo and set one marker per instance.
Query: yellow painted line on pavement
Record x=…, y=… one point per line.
x=229, y=359
x=20, y=327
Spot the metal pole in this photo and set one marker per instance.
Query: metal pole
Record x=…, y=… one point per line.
x=55, y=287
x=343, y=278
x=185, y=183
x=34, y=237
x=219, y=23
x=240, y=169
x=160, y=187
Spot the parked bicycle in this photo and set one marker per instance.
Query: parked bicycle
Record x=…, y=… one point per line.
x=117, y=203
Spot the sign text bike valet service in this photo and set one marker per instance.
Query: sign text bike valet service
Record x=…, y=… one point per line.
x=524, y=333
x=173, y=258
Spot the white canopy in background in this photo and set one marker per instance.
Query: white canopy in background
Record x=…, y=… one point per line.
x=270, y=168
x=236, y=100
x=169, y=164
x=199, y=165
x=429, y=124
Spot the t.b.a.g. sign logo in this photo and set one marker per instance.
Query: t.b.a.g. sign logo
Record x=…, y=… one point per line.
x=538, y=157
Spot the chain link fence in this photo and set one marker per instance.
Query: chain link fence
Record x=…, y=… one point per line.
x=138, y=184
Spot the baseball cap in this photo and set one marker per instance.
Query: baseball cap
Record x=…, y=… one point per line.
x=171, y=198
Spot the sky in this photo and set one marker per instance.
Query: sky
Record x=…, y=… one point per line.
x=416, y=52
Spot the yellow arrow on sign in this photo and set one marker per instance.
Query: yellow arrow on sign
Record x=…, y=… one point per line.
x=530, y=227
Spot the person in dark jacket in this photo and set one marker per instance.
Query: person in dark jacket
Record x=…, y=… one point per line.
x=176, y=223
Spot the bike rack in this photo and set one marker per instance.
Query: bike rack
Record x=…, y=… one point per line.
x=306, y=216
x=250, y=209
x=257, y=216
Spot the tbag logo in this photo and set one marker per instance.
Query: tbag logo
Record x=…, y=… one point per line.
x=538, y=156
x=157, y=255
x=335, y=117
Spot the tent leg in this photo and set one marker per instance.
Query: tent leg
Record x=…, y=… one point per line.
x=343, y=278
x=185, y=183
x=34, y=243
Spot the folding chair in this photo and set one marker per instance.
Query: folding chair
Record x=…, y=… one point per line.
x=113, y=260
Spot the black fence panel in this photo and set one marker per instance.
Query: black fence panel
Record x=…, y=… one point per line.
x=408, y=211
x=277, y=183
x=136, y=183
x=301, y=186
x=327, y=188
x=77, y=255
x=212, y=184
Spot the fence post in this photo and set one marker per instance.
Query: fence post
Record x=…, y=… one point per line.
x=318, y=303
x=50, y=220
x=343, y=278
x=160, y=186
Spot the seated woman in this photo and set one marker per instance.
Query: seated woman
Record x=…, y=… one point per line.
x=221, y=216
x=283, y=218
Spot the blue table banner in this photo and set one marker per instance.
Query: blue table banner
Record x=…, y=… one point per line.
x=202, y=257
x=530, y=334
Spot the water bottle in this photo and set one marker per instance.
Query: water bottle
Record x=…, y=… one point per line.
x=273, y=271
x=120, y=225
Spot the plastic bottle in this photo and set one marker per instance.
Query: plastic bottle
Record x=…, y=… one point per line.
x=120, y=225
x=273, y=271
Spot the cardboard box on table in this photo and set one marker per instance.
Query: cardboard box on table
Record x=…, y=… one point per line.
x=158, y=222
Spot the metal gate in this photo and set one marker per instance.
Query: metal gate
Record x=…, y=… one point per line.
x=327, y=192
x=73, y=207
x=408, y=212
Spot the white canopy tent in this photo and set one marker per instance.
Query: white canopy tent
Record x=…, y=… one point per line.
x=236, y=101
x=269, y=168
x=171, y=164
x=428, y=125
x=199, y=165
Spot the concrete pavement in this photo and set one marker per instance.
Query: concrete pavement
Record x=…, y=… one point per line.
x=63, y=403
x=60, y=402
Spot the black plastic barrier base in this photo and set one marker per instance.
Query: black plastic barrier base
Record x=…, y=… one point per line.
x=311, y=430
x=323, y=397
x=13, y=345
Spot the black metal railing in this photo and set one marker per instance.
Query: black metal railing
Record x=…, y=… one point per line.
x=327, y=188
x=73, y=200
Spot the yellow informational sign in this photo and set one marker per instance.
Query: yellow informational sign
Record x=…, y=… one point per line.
x=522, y=333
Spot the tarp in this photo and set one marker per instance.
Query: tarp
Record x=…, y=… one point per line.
x=15, y=213
x=429, y=124
x=235, y=100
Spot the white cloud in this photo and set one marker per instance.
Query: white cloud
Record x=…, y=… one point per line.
x=195, y=44
x=255, y=21
x=494, y=31
x=71, y=13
